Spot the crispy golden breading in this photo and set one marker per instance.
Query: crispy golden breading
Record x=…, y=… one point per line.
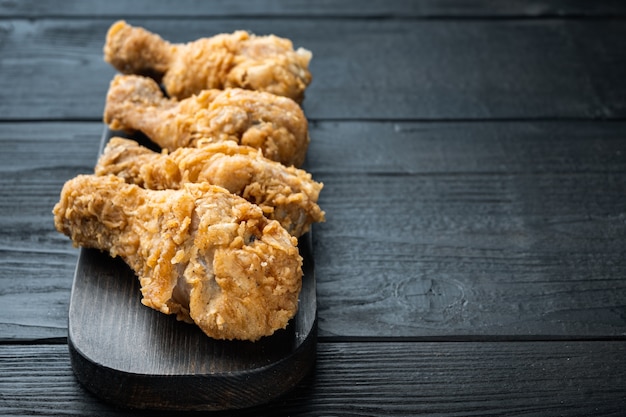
x=274, y=124
x=286, y=194
x=200, y=252
x=263, y=63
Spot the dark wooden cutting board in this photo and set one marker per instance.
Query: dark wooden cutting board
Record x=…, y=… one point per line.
x=136, y=357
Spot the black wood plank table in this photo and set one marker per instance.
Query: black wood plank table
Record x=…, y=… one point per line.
x=473, y=261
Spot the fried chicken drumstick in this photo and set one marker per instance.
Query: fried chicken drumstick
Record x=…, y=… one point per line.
x=274, y=124
x=263, y=63
x=285, y=194
x=200, y=252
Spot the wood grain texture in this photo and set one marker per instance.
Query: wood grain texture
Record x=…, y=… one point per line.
x=489, y=255
x=451, y=69
x=376, y=379
x=458, y=148
x=304, y=8
x=509, y=229
x=36, y=262
x=478, y=229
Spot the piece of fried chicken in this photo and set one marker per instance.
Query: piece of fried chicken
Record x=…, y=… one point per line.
x=200, y=252
x=263, y=63
x=275, y=125
x=286, y=194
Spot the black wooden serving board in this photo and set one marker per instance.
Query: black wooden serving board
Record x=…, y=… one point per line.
x=136, y=357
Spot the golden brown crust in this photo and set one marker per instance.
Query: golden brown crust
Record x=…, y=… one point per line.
x=242, y=60
x=134, y=50
x=200, y=252
x=285, y=194
x=275, y=125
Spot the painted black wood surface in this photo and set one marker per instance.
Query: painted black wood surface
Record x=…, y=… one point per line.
x=442, y=69
x=474, y=160
x=434, y=229
x=376, y=379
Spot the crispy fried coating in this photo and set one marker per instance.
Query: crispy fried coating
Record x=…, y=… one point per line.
x=263, y=63
x=200, y=252
x=274, y=124
x=286, y=194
